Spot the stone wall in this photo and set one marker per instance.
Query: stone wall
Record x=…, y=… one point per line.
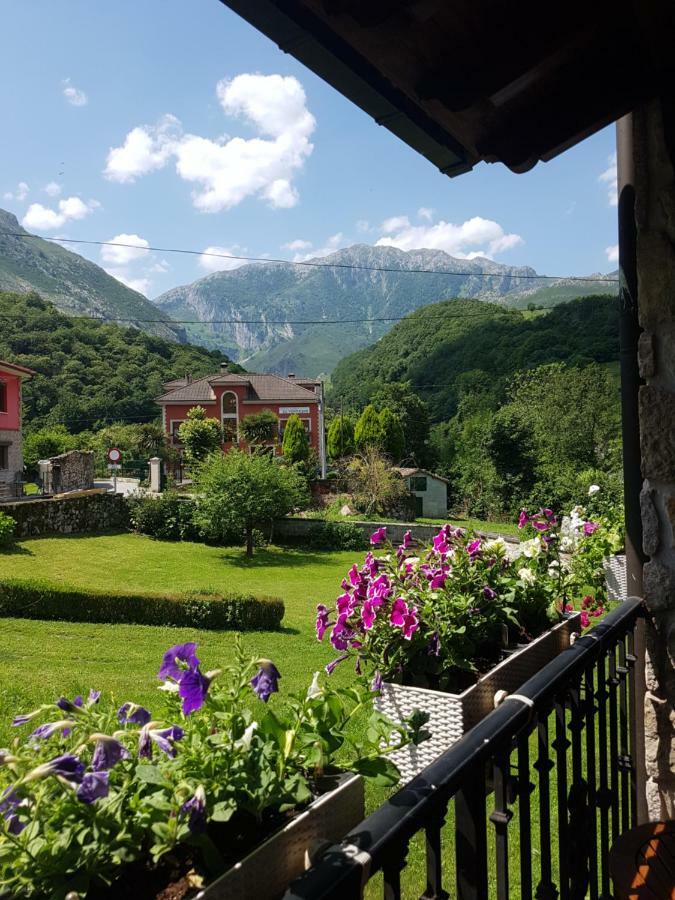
x=654, y=137
x=297, y=528
x=15, y=459
x=72, y=471
x=92, y=512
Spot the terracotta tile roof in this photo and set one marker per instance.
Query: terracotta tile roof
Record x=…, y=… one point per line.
x=15, y=368
x=260, y=387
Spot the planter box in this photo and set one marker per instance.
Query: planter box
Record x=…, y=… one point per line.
x=266, y=872
x=615, y=577
x=452, y=715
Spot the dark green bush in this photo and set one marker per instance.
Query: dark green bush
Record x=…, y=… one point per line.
x=36, y=599
x=7, y=527
x=166, y=517
x=331, y=536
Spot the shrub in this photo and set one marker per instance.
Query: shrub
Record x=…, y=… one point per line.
x=295, y=446
x=38, y=599
x=167, y=517
x=331, y=536
x=7, y=526
x=199, y=435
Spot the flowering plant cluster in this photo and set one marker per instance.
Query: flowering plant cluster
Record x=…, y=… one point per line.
x=95, y=786
x=440, y=615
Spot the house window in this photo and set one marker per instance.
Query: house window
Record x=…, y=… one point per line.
x=418, y=483
x=175, y=425
x=229, y=415
x=3, y=397
x=4, y=456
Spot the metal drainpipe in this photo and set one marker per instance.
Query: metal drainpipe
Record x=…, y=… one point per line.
x=629, y=334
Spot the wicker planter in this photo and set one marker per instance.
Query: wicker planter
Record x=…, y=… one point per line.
x=615, y=577
x=267, y=871
x=452, y=715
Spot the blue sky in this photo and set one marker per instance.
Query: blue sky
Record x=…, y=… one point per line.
x=176, y=124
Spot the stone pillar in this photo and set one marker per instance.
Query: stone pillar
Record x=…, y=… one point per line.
x=155, y=474
x=654, y=141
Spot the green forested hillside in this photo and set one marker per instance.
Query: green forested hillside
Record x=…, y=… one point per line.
x=90, y=373
x=439, y=347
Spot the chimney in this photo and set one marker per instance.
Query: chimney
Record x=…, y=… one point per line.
x=188, y=378
x=291, y=375
x=224, y=366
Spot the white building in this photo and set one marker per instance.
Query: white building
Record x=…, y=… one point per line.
x=430, y=492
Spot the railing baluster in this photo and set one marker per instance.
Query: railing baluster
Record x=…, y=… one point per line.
x=589, y=713
x=391, y=870
x=500, y=818
x=579, y=861
x=624, y=760
x=525, y=788
x=633, y=700
x=603, y=793
x=613, y=682
x=471, y=836
x=433, y=828
x=560, y=746
x=545, y=889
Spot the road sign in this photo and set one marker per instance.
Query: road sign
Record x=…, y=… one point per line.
x=114, y=466
x=114, y=455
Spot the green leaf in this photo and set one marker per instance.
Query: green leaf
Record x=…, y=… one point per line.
x=381, y=771
x=223, y=812
x=151, y=775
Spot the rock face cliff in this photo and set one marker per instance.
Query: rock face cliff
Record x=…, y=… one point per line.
x=271, y=316
x=73, y=284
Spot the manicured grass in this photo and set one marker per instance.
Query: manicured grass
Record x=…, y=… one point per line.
x=42, y=660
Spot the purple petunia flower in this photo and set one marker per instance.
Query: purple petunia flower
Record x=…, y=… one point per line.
x=379, y=535
x=107, y=753
x=355, y=576
x=67, y=766
x=590, y=527
x=438, y=580
x=68, y=706
x=94, y=786
x=133, y=714
x=523, y=518
x=407, y=540
x=377, y=681
x=266, y=680
x=42, y=732
x=330, y=668
x=93, y=697
x=164, y=738
x=410, y=623
x=9, y=803
x=434, y=647
x=440, y=543
x=193, y=688
x=399, y=610
x=180, y=653
x=489, y=593
x=473, y=548
x=368, y=614
x=322, y=622
x=195, y=810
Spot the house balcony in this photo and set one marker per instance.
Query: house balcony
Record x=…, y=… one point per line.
x=527, y=804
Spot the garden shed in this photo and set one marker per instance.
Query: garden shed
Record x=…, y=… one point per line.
x=429, y=490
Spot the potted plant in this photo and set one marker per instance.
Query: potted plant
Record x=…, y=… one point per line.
x=443, y=629
x=218, y=796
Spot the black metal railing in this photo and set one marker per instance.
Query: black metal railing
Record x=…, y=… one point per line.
x=527, y=804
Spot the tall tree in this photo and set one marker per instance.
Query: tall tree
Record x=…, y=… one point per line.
x=260, y=428
x=368, y=431
x=241, y=491
x=199, y=435
x=414, y=415
x=340, y=437
x=295, y=446
x=393, y=441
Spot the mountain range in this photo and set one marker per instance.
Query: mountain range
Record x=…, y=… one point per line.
x=271, y=317
x=73, y=284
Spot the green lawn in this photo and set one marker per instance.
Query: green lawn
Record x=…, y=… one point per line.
x=42, y=660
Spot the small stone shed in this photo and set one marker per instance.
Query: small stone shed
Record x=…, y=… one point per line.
x=430, y=491
x=72, y=471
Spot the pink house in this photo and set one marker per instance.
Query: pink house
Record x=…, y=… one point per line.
x=11, y=458
x=229, y=398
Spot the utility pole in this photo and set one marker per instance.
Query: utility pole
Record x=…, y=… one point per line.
x=342, y=424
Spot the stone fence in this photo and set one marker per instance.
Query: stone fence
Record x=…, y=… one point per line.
x=89, y=512
x=72, y=471
x=298, y=528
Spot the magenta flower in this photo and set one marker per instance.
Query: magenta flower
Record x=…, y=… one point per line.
x=345, y=604
x=540, y=526
x=368, y=614
x=591, y=527
x=440, y=543
x=523, y=518
x=355, y=576
x=177, y=659
x=379, y=535
x=377, y=681
x=438, y=580
x=410, y=623
x=407, y=540
x=94, y=785
x=266, y=680
x=322, y=622
x=371, y=565
x=399, y=610
x=339, y=636
x=585, y=621
x=473, y=548
x=193, y=688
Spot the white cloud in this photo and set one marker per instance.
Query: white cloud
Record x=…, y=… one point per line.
x=219, y=259
x=160, y=267
x=609, y=178
x=19, y=194
x=145, y=148
x=43, y=218
x=335, y=242
x=123, y=255
x=612, y=253
x=474, y=237
x=297, y=245
x=142, y=285
x=227, y=170
x=74, y=95
x=52, y=189
x=363, y=226
x=425, y=212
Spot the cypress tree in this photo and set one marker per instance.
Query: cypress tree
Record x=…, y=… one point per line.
x=393, y=442
x=340, y=437
x=295, y=446
x=368, y=431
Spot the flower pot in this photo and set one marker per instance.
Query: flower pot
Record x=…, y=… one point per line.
x=615, y=576
x=452, y=715
x=268, y=870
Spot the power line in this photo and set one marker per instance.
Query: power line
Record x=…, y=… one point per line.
x=311, y=264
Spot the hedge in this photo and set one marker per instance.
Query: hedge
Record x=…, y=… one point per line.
x=34, y=599
x=328, y=536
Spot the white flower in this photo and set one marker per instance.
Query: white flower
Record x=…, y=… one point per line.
x=593, y=489
x=170, y=686
x=526, y=575
x=245, y=740
x=498, y=545
x=531, y=549
x=315, y=689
